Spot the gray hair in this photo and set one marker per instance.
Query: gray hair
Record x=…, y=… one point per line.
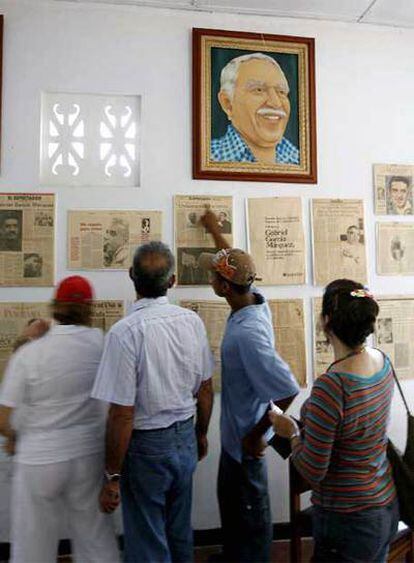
x=230, y=72
x=152, y=281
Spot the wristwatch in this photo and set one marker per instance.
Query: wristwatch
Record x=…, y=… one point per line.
x=112, y=477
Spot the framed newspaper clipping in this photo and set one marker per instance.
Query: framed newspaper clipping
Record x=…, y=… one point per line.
x=27, y=232
x=107, y=239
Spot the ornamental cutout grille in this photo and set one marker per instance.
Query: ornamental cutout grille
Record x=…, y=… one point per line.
x=90, y=140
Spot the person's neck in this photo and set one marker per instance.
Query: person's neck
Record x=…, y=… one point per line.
x=341, y=350
x=138, y=296
x=238, y=302
x=263, y=154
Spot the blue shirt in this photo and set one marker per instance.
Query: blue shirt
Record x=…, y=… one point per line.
x=232, y=148
x=252, y=374
x=156, y=359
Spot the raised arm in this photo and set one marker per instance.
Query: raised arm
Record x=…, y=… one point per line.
x=210, y=223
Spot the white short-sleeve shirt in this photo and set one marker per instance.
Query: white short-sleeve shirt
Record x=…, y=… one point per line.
x=49, y=382
x=156, y=359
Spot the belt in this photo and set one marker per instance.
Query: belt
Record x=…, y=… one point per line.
x=174, y=426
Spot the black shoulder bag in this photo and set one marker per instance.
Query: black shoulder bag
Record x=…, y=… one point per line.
x=403, y=466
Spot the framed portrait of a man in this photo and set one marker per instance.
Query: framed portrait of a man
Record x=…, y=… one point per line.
x=254, y=115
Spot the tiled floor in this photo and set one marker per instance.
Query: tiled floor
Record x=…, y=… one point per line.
x=280, y=553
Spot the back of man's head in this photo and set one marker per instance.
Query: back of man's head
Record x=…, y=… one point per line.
x=152, y=269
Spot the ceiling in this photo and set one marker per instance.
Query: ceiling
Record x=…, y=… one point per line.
x=399, y=13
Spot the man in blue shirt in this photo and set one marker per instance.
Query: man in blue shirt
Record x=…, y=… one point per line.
x=254, y=94
x=252, y=374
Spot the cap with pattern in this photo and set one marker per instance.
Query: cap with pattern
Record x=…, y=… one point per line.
x=74, y=289
x=233, y=264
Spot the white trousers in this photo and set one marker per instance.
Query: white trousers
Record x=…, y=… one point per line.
x=42, y=495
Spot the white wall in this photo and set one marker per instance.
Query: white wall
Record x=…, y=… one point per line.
x=365, y=114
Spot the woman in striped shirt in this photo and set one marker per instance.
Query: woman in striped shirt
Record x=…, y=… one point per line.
x=342, y=450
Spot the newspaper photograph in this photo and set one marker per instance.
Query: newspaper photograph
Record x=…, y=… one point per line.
x=323, y=354
x=395, y=249
x=192, y=239
x=27, y=223
x=289, y=328
x=339, y=249
x=393, y=189
x=394, y=333
x=214, y=315
x=101, y=240
x=276, y=239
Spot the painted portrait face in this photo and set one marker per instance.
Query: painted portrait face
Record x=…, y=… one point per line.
x=352, y=235
x=260, y=107
x=11, y=229
x=399, y=194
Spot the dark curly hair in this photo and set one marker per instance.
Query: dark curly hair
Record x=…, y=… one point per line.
x=351, y=319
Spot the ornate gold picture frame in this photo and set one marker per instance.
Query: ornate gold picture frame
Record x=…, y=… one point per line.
x=254, y=116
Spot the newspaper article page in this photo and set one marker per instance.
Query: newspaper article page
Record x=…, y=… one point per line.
x=191, y=238
x=338, y=240
x=214, y=315
x=393, y=189
x=105, y=313
x=13, y=318
x=101, y=240
x=395, y=249
x=27, y=223
x=276, y=239
x=289, y=328
x=288, y=324
x=394, y=333
x=323, y=354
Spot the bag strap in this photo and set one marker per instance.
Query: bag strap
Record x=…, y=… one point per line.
x=407, y=408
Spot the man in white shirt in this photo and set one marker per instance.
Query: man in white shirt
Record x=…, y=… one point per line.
x=156, y=372
x=60, y=435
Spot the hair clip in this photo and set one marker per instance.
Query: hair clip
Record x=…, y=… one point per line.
x=361, y=293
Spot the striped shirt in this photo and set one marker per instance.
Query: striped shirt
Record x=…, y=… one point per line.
x=343, y=450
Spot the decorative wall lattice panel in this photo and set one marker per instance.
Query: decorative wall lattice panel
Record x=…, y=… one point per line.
x=90, y=140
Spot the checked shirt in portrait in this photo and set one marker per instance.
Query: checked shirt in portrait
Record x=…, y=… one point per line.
x=232, y=148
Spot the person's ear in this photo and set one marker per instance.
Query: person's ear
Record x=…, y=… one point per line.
x=226, y=104
x=171, y=281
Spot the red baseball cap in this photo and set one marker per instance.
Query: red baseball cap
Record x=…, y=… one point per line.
x=74, y=289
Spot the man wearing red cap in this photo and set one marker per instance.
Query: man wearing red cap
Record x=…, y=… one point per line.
x=253, y=374
x=59, y=438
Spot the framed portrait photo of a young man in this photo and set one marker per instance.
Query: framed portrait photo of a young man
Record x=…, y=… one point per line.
x=254, y=115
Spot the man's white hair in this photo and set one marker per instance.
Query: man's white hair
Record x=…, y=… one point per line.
x=230, y=72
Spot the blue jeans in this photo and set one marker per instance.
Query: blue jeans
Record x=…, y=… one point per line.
x=156, y=491
x=244, y=509
x=354, y=537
